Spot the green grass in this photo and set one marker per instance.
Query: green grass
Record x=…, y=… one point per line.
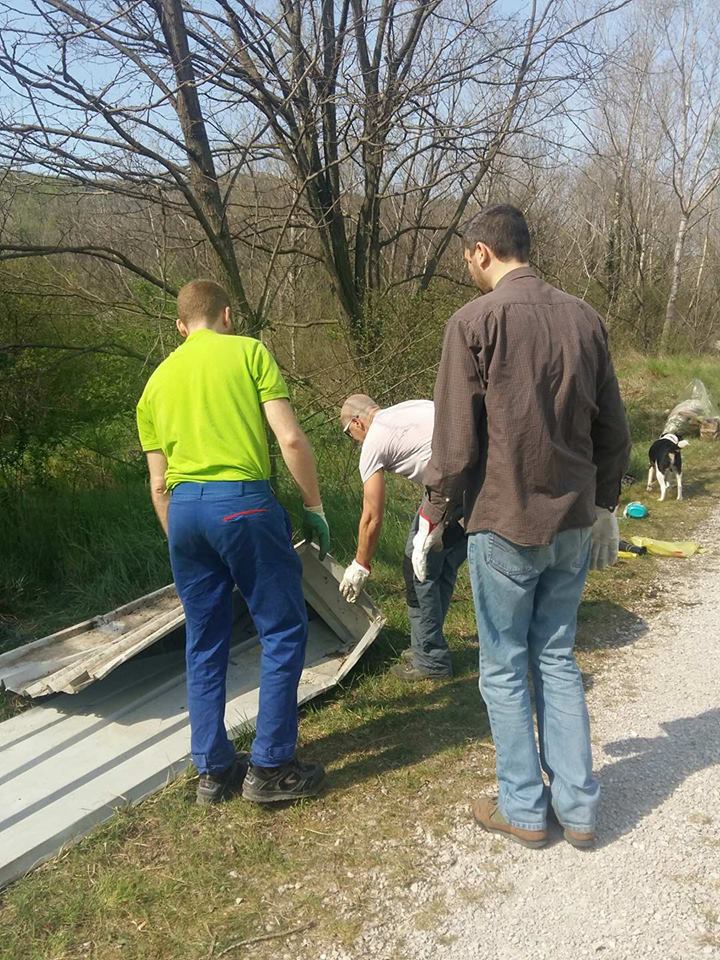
x=170, y=880
x=69, y=554
x=651, y=387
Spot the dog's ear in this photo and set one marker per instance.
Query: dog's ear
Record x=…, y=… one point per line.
x=683, y=443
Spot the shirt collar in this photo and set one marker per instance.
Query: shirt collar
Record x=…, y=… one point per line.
x=200, y=332
x=518, y=274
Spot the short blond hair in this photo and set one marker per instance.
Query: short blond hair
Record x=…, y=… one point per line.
x=201, y=301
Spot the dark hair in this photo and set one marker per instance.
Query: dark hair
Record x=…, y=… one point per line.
x=503, y=228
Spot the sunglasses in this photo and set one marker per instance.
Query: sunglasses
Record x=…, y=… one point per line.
x=346, y=428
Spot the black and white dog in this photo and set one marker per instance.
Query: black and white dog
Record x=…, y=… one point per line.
x=666, y=460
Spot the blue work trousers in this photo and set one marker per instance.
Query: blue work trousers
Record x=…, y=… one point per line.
x=235, y=532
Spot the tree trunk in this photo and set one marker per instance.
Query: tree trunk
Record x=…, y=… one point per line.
x=670, y=324
x=200, y=159
x=694, y=305
x=613, y=257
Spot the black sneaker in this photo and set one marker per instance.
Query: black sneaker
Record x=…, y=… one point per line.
x=214, y=787
x=407, y=670
x=292, y=781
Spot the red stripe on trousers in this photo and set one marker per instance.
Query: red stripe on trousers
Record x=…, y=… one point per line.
x=243, y=513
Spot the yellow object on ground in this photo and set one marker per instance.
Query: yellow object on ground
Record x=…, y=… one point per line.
x=626, y=555
x=667, y=548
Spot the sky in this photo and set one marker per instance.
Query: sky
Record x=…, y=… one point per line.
x=130, y=87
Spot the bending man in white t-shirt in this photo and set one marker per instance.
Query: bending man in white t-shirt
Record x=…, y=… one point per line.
x=398, y=439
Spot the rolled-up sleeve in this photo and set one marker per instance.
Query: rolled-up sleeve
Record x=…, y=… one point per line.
x=459, y=406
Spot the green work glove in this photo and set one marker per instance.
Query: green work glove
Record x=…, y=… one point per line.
x=315, y=527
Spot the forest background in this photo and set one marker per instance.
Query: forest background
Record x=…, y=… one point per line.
x=318, y=158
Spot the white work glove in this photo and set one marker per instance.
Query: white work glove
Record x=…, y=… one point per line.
x=605, y=539
x=353, y=581
x=428, y=537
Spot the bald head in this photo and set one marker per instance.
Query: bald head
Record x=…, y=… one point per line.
x=202, y=303
x=356, y=415
x=358, y=405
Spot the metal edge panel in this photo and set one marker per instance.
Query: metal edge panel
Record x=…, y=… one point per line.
x=91, y=623
x=320, y=580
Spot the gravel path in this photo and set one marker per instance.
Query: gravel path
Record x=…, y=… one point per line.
x=652, y=887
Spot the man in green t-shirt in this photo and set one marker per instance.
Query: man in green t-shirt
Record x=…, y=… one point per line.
x=201, y=420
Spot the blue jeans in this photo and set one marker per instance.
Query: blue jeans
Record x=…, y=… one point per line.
x=428, y=602
x=526, y=601
x=231, y=532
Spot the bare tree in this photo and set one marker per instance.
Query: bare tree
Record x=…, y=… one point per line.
x=132, y=125
x=624, y=207
x=377, y=121
x=686, y=98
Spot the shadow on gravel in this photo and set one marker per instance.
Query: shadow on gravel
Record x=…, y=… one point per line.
x=651, y=768
x=603, y=626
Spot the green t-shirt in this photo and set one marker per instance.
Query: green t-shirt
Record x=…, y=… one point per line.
x=202, y=408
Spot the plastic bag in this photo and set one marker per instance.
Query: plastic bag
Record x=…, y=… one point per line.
x=696, y=405
x=667, y=548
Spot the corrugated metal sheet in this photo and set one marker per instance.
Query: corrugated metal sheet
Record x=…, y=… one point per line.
x=69, y=660
x=66, y=764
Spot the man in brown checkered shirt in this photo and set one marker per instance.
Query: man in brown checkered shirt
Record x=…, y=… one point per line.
x=531, y=436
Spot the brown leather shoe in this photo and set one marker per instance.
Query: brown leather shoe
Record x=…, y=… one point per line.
x=582, y=841
x=487, y=814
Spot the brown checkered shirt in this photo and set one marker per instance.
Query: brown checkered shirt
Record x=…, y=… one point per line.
x=530, y=429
